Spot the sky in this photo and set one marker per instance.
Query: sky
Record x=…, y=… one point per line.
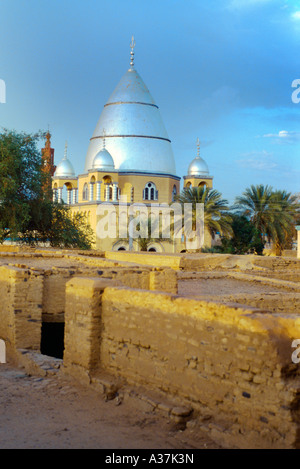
x=219, y=70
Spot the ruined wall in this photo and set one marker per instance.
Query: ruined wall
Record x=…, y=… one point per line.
x=21, y=308
x=232, y=365
x=146, y=258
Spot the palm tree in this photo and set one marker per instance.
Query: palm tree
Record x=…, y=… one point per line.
x=273, y=213
x=215, y=217
x=285, y=208
x=255, y=205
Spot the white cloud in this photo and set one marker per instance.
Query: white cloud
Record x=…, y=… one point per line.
x=284, y=136
x=257, y=160
x=296, y=15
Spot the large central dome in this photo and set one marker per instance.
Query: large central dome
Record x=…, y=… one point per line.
x=134, y=132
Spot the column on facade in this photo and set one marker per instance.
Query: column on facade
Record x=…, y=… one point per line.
x=91, y=191
x=74, y=196
x=115, y=192
x=54, y=195
x=106, y=192
x=69, y=196
x=59, y=195
x=98, y=191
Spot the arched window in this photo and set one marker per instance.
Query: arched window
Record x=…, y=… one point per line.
x=174, y=193
x=85, y=192
x=150, y=192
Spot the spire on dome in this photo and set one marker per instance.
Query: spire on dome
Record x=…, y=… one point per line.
x=198, y=166
x=66, y=151
x=198, y=148
x=132, y=46
x=65, y=168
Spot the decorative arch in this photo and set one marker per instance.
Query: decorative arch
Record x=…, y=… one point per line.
x=174, y=193
x=150, y=192
x=155, y=247
x=85, y=192
x=121, y=246
x=107, y=179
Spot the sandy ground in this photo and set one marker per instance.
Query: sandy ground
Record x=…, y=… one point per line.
x=57, y=413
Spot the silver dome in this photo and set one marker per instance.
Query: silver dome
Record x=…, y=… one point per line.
x=134, y=132
x=103, y=160
x=198, y=167
x=64, y=169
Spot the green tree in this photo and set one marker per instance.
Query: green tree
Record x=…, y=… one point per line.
x=216, y=218
x=285, y=210
x=21, y=181
x=245, y=237
x=273, y=213
x=27, y=212
x=69, y=230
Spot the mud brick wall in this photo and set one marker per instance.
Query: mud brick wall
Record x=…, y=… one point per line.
x=231, y=365
x=145, y=258
x=83, y=323
x=54, y=288
x=21, y=292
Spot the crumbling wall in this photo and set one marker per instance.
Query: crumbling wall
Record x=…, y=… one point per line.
x=21, y=308
x=233, y=366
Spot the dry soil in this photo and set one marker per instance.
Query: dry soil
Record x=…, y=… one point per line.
x=56, y=412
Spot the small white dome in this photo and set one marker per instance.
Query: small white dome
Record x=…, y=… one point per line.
x=198, y=167
x=64, y=169
x=103, y=161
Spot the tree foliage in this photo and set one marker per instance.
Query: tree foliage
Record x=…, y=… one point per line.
x=272, y=212
x=245, y=237
x=27, y=212
x=216, y=218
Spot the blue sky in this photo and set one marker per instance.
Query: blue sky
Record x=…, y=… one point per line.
x=220, y=70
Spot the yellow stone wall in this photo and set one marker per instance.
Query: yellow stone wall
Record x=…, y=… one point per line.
x=194, y=181
x=231, y=365
x=126, y=182
x=21, y=308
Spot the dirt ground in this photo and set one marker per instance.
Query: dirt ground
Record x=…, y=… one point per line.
x=56, y=412
x=213, y=288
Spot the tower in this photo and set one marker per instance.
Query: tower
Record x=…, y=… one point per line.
x=48, y=156
x=198, y=172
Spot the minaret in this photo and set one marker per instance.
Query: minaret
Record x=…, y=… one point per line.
x=48, y=156
x=198, y=172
